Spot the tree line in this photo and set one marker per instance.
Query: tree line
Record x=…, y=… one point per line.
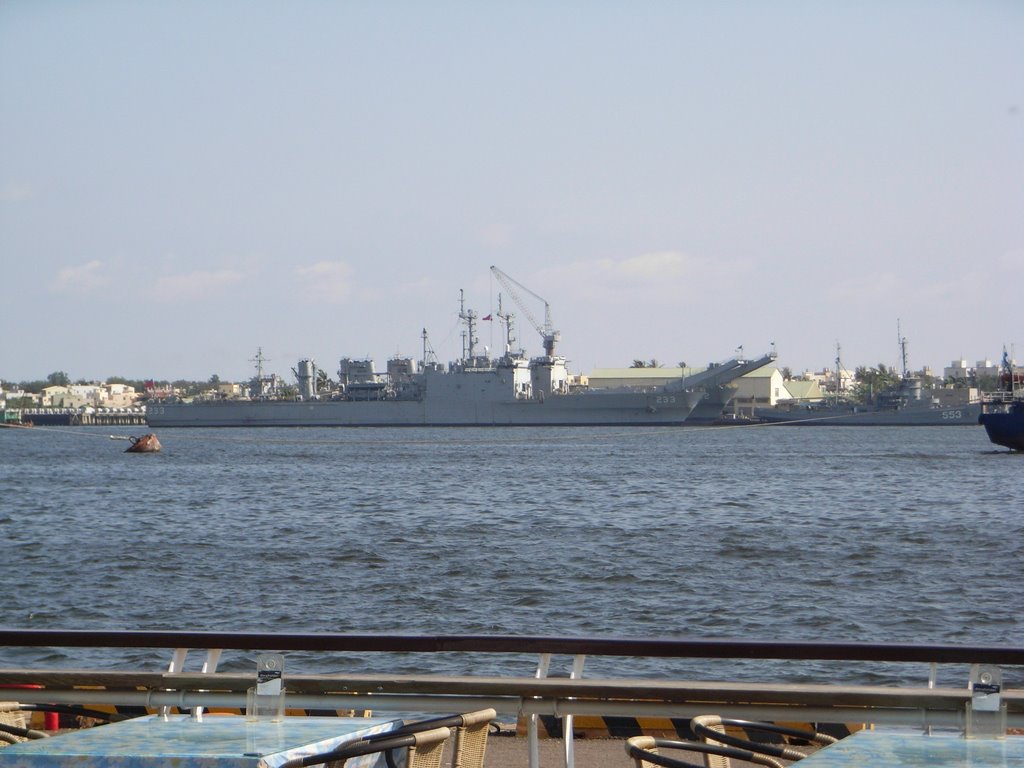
x=62, y=379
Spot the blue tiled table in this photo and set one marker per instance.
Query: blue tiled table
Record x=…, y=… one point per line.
x=913, y=749
x=218, y=741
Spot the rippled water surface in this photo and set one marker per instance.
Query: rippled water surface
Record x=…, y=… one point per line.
x=807, y=533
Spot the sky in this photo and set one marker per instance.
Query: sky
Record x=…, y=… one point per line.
x=183, y=183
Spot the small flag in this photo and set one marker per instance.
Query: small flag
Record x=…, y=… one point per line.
x=486, y=317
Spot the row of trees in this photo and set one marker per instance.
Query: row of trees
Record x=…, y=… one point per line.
x=653, y=363
x=62, y=379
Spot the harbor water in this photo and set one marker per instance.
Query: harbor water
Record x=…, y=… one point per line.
x=764, y=533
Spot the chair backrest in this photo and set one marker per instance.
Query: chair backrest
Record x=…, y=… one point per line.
x=428, y=749
x=470, y=741
x=649, y=752
x=423, y=749
x=711, y=729
x=714, y=724
x=11, y=715
x=638, y=747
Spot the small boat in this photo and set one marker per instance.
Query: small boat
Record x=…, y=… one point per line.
x=148, y=443
x=1002, y=412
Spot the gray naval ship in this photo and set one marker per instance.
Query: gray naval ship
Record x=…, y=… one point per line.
x=908, y=404
x=476, y=390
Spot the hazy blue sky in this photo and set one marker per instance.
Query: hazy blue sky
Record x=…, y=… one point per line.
x=181, y=182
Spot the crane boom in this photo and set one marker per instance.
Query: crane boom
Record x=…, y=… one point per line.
x=547, y=331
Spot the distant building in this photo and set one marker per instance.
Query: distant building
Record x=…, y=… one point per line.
x=89, y=395
x=638, y=377
x=986, y=368
x=229, y=389
x=826, y=379
x=803, y=390
x=956, y=371
x=763, y=387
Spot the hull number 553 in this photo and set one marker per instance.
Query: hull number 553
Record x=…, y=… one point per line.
x=665, y=400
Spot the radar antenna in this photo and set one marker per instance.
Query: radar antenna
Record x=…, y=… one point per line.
x=259, y=360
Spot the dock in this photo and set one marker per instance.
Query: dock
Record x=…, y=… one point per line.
x=79, y=417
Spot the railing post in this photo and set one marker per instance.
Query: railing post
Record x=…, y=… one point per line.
x=543, y=664
x=177, y=665
x=933, y=676
x=567, y=732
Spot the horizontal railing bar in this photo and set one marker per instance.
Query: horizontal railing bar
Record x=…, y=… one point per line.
x=522, y=687
x=513, y=706
x=387, y=643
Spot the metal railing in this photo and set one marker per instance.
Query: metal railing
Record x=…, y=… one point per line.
x=528, y=697
x=517, y=644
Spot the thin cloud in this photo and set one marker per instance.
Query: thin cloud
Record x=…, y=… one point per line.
x=653, y=266
x=878, y=287
x=1012, y=259
x=424, y=286
x=658, y=273
x=327, y=280
x=889, y=289
x=193, y=286
x=82, y=278
x=15, y=192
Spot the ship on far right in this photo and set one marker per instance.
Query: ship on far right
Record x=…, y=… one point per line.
x=1002, y=412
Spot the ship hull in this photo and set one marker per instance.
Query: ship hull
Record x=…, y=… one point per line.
x=867, y=417
x=1005, y=429
x=585, y=409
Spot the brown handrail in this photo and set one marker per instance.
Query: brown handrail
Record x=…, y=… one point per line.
x=528, y=644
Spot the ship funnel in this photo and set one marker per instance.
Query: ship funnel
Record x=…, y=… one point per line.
x=306, y=376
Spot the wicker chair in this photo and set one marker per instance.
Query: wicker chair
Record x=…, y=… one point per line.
x=711, y=729
x=11, y=717
x=469, y=743
x=14, y=726
x=423, y=749
x=647, y=752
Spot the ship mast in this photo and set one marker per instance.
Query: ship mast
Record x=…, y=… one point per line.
x=259, y=360
x=839, y=374
x=506, y=317
x=469, y=339
x=901, y=339
x=428, y=351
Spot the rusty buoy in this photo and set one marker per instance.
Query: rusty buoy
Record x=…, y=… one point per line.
x=145, y=444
